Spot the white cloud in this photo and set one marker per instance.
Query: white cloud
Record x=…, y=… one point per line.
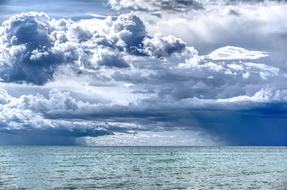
x=235, y=53
x=250, y=25
x=55, y=43
x=159, y=46
x=118, y=76
x=34, y=43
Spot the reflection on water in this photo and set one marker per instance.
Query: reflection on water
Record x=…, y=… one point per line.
x=142, y=168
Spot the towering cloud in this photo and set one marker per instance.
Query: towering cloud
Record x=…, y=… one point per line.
x=34, y=45
x=67, y=79
x=27, y=49
x=129, y=31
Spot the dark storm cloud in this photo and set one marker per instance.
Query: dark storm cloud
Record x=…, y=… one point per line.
x=245, y=124
x=263, y=125
x=40, y=120
x=128, y=74
x=47, y=136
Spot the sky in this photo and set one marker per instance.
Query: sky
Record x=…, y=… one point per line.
x=143, y=73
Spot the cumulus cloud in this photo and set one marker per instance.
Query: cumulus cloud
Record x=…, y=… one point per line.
x=110, y=59
x=38, y=119
x=34, y=45
x=128, y=31
x=163, y=46
x=31, y=29
x=137, y=73
x=33, y=119
x=26, y=47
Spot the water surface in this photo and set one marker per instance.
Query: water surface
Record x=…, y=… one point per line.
x=143, y=168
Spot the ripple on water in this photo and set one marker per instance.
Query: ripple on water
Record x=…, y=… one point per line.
x=143, y=168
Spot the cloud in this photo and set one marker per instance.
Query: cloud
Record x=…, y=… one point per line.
x=235, y=53
x=110, y=58
x=219, y=24
x=34, y=46
x=31, y=29
x=128, y=31
x=75, y=79
x=24, y=120
x=159, y=46
x=153, y=5
x=26, y=48
x=61, y=115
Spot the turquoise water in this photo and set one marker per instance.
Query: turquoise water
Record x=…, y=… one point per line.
x=143, y=168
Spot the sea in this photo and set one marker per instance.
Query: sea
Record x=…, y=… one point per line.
x=45, y=167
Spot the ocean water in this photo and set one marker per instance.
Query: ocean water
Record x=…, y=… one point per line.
x=143, y=168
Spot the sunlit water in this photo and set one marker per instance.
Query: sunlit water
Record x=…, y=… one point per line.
x=142, y=168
